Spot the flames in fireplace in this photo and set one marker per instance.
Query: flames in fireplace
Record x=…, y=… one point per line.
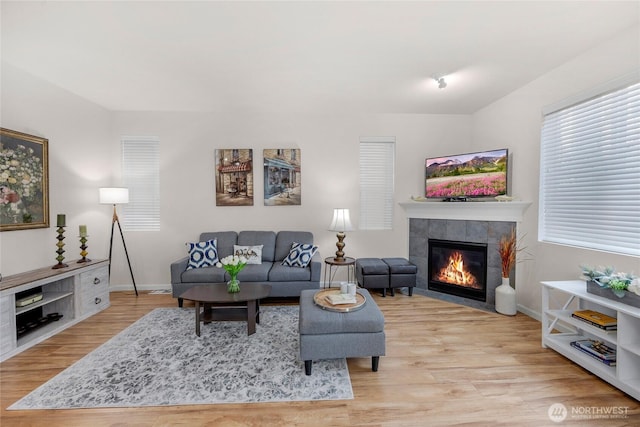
x=456, y=273
x=458, y=268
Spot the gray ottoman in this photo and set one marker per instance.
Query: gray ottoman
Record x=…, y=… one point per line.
x=372, y=273
x=402, y=273
x=327, y=334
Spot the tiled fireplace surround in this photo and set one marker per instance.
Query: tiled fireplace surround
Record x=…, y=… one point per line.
x=477, y=222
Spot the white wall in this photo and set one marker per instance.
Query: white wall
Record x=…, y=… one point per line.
x=515, y=122
x=85, y=148
x=84, y=154
x=80, y=152
x=329, y=153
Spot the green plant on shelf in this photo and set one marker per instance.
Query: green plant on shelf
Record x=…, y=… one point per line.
x=606, y=277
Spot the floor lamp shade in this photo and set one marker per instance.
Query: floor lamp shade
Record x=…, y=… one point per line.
x=114, y=195
x=341, y=222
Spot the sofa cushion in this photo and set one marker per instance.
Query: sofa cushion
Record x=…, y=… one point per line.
x=204, y=275
x=265, y=238
x=284, y=273
x=255, y=272
x=300, y=255
x=224, y=241
x=253, y=254
x=285, y=239
x=202, y=254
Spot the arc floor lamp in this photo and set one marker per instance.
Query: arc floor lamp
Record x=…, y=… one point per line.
x=117, y=196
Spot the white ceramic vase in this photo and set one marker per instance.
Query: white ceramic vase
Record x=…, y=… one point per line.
x=506, y=298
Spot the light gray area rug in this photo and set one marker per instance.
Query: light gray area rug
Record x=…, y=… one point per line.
x=160, y=361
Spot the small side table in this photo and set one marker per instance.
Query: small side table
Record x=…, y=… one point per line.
x=331, y=262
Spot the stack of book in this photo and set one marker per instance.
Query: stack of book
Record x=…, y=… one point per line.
x=597, y=319
x=337, y=299
x=598, y=350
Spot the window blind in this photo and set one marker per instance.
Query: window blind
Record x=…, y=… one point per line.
x=377, y=159
x=590, y=173
x=141, y=174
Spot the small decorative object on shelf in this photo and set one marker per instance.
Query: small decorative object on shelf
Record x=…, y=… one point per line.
x=233, y=264
x=605, y=282
x=83, y=244
x=61, y=225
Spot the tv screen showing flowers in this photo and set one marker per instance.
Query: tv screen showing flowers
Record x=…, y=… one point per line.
x=481, y=174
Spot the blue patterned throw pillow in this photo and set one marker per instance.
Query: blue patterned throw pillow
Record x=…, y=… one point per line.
x=202, y=254
x=300, y=255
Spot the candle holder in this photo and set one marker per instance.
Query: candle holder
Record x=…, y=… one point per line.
x=60, y=251
x=83, y=251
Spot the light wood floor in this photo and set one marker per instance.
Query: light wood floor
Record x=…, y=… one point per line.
x=445, y=365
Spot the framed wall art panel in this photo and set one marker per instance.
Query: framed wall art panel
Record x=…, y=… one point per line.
x=24, y=181
x=234, y=177
x=282, y=177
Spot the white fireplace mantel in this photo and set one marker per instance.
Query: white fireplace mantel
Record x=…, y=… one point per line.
x=473, y=210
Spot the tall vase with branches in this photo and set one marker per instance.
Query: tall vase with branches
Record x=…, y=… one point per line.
x=505, y=294
x=508, y=250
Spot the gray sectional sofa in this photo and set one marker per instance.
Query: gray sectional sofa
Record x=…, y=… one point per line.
x=285, y=281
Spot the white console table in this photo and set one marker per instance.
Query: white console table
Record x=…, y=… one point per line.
x=559, y=329
x=76, y=292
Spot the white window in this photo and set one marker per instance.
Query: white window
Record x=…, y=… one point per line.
x=141, y=175
x=377, y=159
x=590, y=170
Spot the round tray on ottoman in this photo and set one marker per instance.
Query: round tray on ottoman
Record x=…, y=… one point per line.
x=320, y=298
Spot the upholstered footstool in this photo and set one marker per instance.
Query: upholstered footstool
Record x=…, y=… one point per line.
x=372, y=273
x=328, y=334
x=402, y=273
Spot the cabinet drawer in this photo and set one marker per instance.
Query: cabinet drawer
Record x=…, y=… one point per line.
x=7, y=324
x=94, y=302
x=94, y=282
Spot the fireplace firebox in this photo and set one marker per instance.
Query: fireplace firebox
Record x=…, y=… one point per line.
x=458, y=268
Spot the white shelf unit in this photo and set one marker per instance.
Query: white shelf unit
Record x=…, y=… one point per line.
x=560, y=299
x=76, y=292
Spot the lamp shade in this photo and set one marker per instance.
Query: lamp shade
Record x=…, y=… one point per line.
x=114, y=195
x=341, y=220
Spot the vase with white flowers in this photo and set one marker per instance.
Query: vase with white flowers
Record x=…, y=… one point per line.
x=233, y=264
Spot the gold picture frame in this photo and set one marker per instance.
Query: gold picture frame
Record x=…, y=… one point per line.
x=24, y=181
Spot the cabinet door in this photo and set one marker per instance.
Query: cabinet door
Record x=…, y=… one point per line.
x=7, y=324
x=94, y=290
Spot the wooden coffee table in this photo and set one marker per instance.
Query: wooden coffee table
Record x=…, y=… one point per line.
x=220, y=305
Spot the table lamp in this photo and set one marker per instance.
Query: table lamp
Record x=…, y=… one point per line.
x=340, y=223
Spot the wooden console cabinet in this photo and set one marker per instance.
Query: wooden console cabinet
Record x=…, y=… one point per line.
x=75, y=292
x=559, y=329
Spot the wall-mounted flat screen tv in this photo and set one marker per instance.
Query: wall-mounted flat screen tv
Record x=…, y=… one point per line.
x=472, y=175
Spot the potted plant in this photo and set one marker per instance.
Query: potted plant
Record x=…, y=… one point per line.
x=233, y=264
x=606, y=283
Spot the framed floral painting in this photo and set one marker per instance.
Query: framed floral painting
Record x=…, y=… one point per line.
x=24, y=181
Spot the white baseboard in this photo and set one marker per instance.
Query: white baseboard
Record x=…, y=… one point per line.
x=148, y=287
x=530, y=313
